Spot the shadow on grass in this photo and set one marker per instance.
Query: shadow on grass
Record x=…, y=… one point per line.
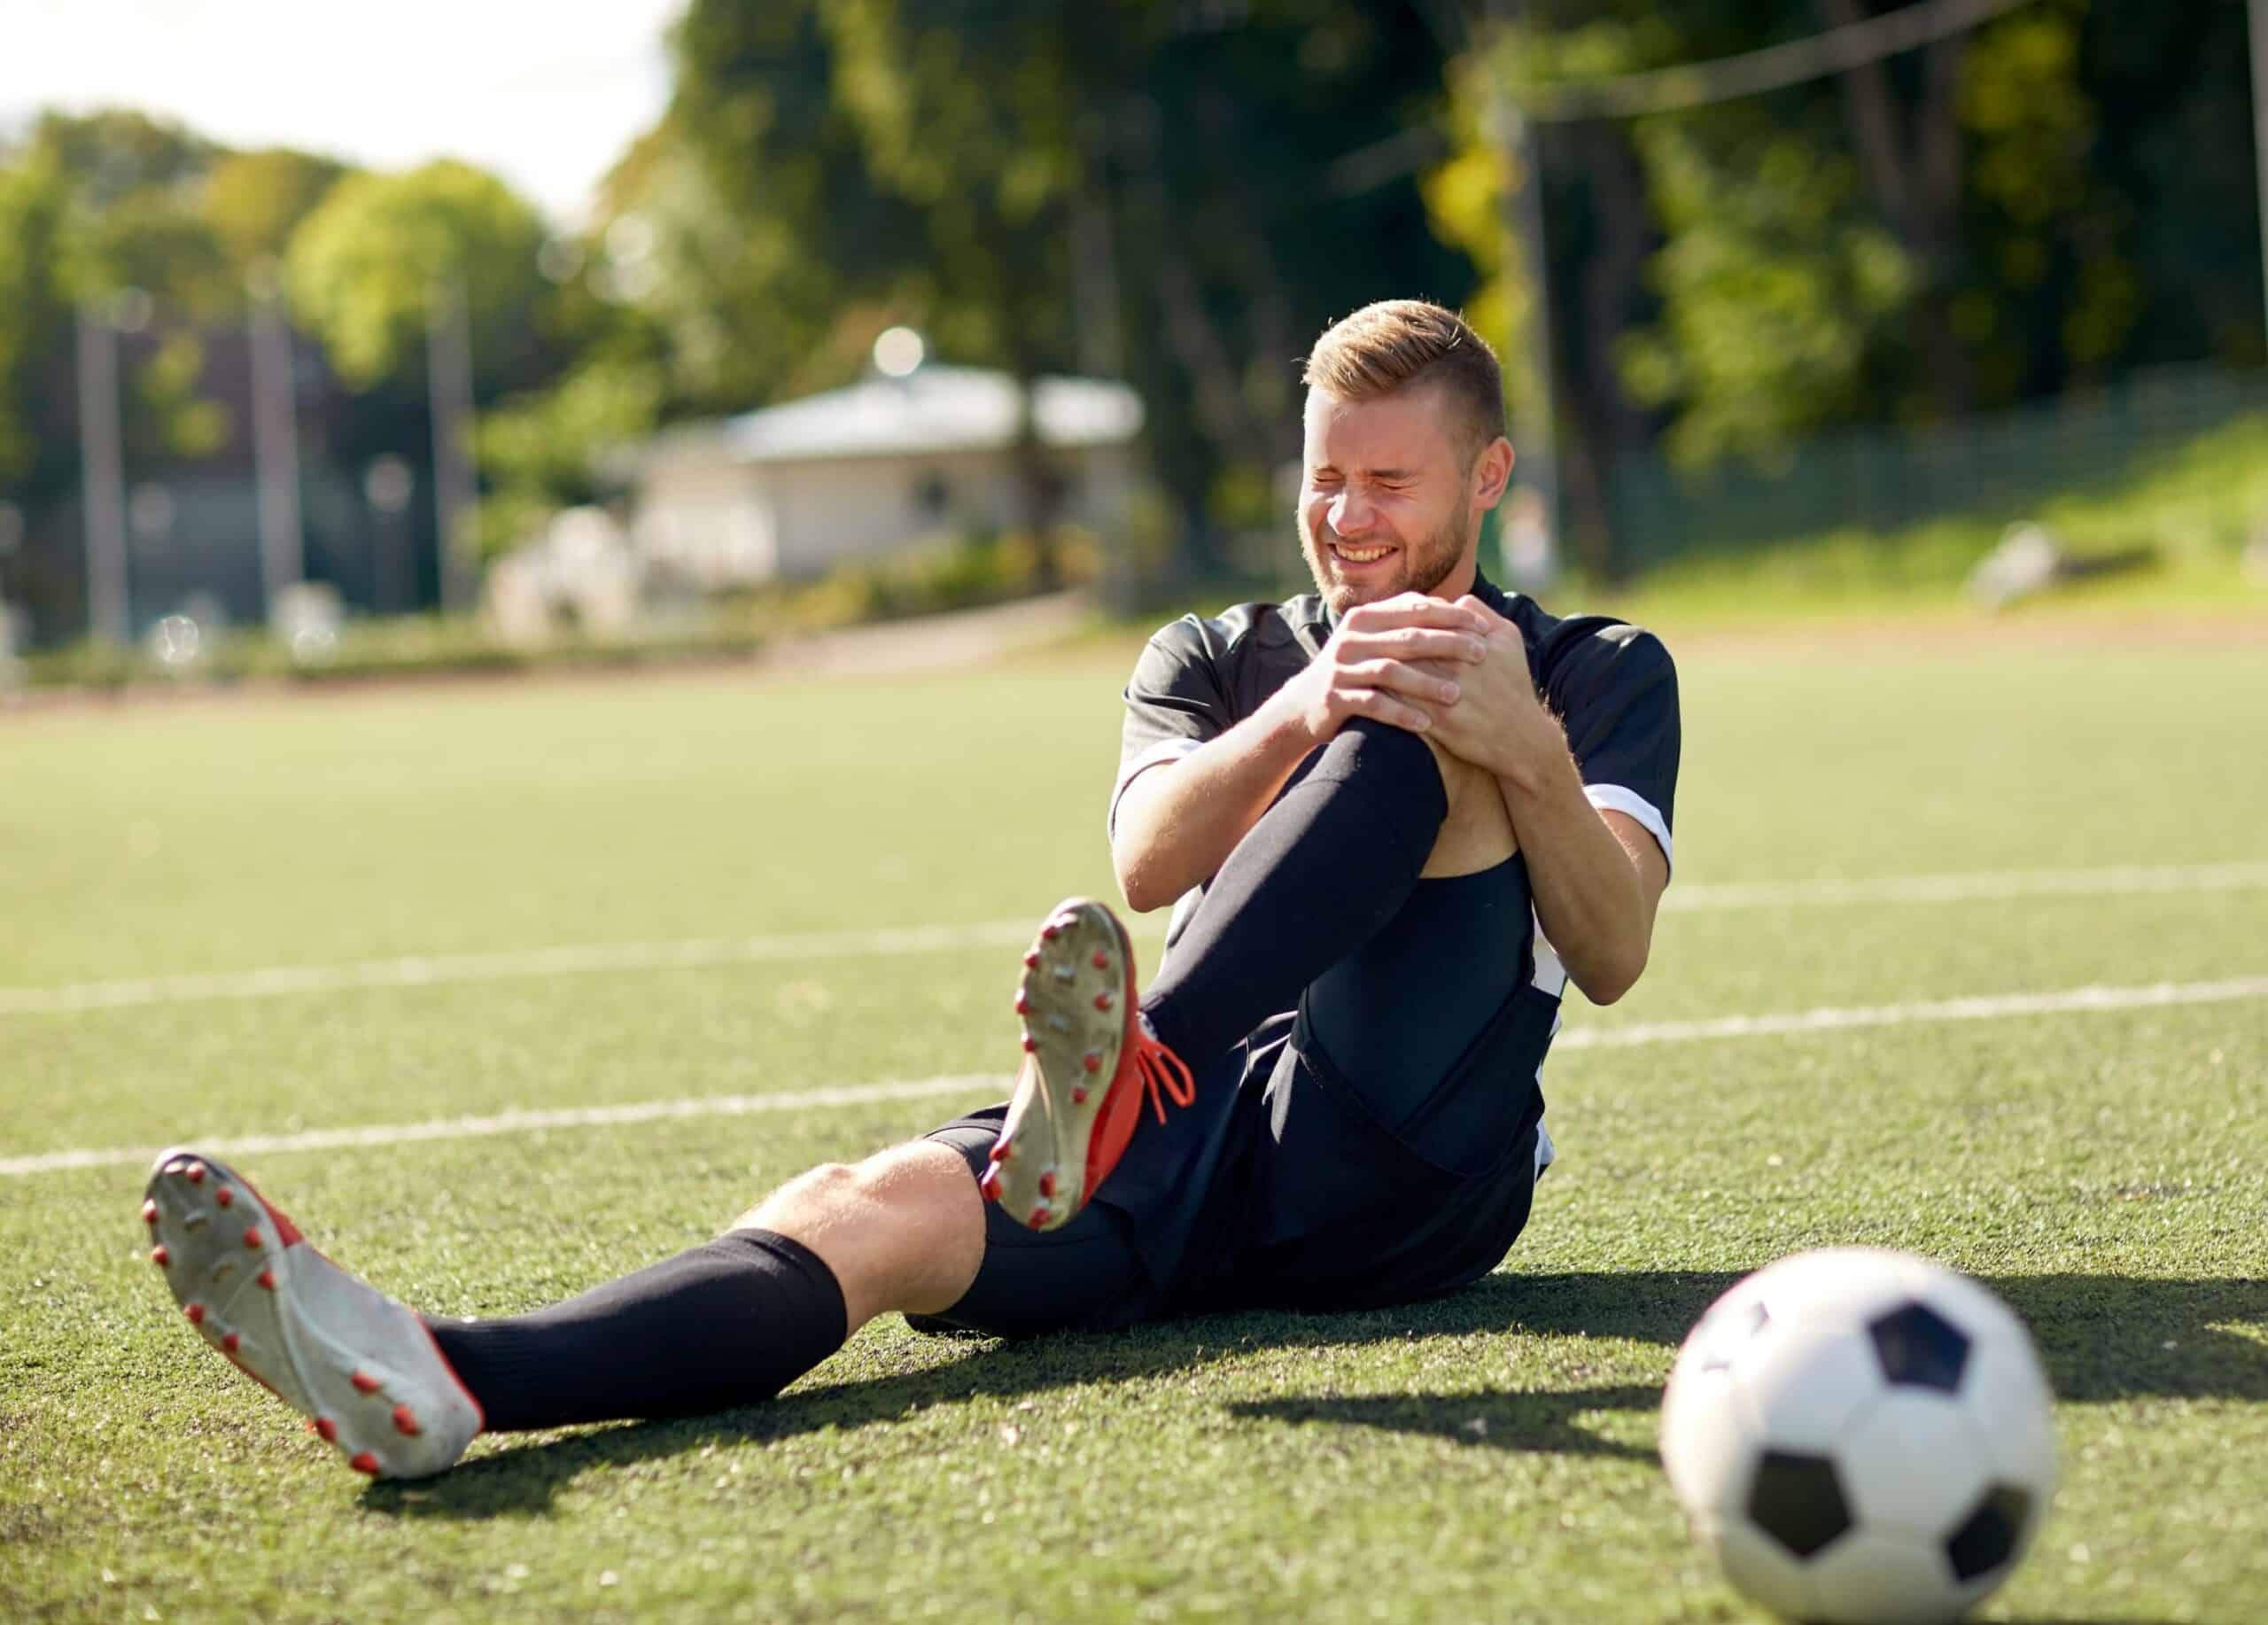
x=2103, y=1338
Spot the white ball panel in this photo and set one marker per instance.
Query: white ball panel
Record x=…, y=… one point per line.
x=2006, y=1396
x=1705, y=1448
x=1761, y=1569
x=1802, y=1385
x=1912, y=1466
x=1838, y=1285
x=1870, y=1577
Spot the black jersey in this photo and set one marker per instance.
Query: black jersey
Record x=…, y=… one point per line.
x=1612, y=685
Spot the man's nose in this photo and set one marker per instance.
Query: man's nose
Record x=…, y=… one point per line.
x=1350, y=514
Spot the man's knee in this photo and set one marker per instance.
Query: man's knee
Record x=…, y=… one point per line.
x=1391, y=763
x=904, y=1229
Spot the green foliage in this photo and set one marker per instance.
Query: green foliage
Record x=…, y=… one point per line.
x=254, y=201
x=366, y=267
x=35, y=314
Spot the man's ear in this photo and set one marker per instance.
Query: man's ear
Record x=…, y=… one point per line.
x=1492, y=472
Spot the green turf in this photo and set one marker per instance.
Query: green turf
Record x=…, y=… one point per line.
x=1486, y=1457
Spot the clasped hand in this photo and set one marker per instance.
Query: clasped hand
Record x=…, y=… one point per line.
x=1455, y=672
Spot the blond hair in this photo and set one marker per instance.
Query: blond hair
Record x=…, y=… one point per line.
x=1398, y=345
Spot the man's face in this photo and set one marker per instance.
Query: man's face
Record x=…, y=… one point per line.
x=1385, y=498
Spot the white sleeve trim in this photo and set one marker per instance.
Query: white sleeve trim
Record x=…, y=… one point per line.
x=1630, y=804
x=1165, y=750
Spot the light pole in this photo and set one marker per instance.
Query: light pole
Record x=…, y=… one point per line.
x=102, y=479
x=274, y=443
x=456, y=496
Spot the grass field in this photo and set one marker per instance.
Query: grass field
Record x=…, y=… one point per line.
x=1488, y=1456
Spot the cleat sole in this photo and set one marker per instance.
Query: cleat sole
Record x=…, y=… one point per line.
x=1073, y=982
x=306, y=1331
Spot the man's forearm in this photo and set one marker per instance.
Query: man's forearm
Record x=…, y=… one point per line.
x=1179, y=823
x=1589, y=897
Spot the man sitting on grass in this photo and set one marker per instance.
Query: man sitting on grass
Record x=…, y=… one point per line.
x=1399, y=814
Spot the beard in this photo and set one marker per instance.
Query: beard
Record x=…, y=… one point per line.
x=1416, y=568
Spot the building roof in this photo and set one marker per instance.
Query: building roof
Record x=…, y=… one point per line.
x=931, y=409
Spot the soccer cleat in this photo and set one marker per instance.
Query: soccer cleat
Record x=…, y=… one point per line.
x=360, y=1367
x=1064, y=1131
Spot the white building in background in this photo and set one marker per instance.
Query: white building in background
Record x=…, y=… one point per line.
x=791, y=492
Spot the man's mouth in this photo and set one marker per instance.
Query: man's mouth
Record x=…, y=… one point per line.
x=1347, y=555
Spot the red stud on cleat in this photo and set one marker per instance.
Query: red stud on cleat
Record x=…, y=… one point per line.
x=268, y=1280
x=160, y=1258
x=403, y=1422
x=149, y=1212
x=1047, y=933
x=1038, y=1217
x=195, y=1313
x=1030, y=1043
x=224, y=1195
x=1102, y=1001
x=1031, y=960
x=1023, y=1004
x=1078, y=1097
x=1047, y=1185
x=327, y=1428
x=364, y=1383
x=1091, y=1061
x=988, y=1186
x=365, y=1463
x=194, y=1173
x=228, y=1343
x=251, y=1236
x=1002, y=1152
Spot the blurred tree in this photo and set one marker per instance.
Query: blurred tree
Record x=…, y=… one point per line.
x=254, y=201
x=365, y=267
x=35, y=313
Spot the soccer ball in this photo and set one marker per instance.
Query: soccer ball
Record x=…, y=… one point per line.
x=1862, y=1437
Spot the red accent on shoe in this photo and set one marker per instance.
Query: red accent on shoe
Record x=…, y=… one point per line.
x=364, y=1383
x=1031, y=960
x=1030, y=1043
x=195, y=1313
x=1078, y=1097
x=251, y=1236
x=1002, y=1152
x=159, y=1256
x=1047, y=933
x=228, y=1343
x=1102, y=960
x=1038, y=1215
x=194, y=1173
x=1047, y=1185
x=150, y=1212
x=988, y=1186
x=1102, y=1001
x=327, y=1429
x=268, y=1280
x=1023, y=1004
x=224, y=1196
x=1091, y=1061
x=403, y=1422
x=365, y=1463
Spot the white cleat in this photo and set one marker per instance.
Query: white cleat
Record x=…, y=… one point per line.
x=362, y=1368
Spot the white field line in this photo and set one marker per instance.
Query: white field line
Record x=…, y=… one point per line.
x=433, y=970
x=2070, y=1002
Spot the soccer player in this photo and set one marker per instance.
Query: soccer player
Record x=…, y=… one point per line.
x=1398, y=815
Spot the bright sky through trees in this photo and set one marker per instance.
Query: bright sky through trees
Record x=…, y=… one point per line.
x=548, y=97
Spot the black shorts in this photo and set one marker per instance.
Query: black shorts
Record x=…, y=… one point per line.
x=1279, y=1187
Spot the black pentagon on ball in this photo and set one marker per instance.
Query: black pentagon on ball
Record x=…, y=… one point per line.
x=1987, y=1537
x=1919, y=1347
x=1798, y=1500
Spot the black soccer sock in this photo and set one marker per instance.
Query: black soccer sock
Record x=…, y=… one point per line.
x=1319, y=874
x=724, y=1324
